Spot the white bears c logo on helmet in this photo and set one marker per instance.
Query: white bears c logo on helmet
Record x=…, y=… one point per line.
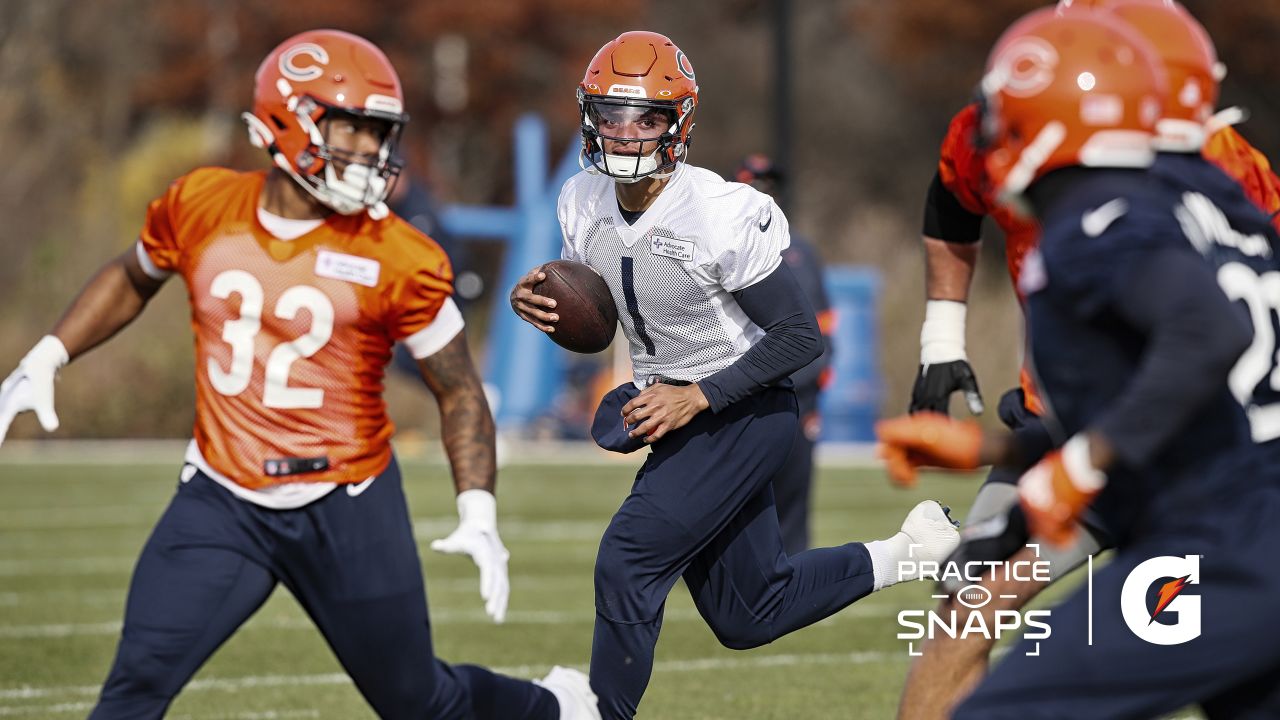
x=311, y=71
x=683, y=64
x=1026, y=67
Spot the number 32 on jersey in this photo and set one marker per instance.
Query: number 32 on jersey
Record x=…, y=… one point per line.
x=242, y=332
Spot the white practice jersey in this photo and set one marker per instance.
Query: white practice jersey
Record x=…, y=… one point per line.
x=672, y=272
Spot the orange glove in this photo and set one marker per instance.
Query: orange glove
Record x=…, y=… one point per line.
x=1057, y=490
x=927, y=438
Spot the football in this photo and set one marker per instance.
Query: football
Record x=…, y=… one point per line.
x=588, y=315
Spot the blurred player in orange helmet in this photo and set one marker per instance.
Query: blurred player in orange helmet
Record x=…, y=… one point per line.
x=1144, y=356
x=1189, y=124
x=300, y=283
x=961, y=194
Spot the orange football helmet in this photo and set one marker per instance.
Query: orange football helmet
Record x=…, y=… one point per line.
x=1068, y=88
x=1191, y=62
x=1064, y=5
x=309, y=77
x=632, y=77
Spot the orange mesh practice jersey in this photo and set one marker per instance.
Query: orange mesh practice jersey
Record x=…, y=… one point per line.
x=962, y=169
x=1237, y=158
x=292, y=337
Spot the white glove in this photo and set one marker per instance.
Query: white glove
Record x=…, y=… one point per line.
x=477, y=536
x=30, y=387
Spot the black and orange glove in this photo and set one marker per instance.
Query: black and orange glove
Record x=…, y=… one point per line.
x=1055, y=492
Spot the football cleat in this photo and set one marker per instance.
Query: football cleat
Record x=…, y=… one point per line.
x=928, y=536
x=573, y=692
x=930, y=531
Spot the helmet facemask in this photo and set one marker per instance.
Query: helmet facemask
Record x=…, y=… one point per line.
x=661, y=125
x=344, y=180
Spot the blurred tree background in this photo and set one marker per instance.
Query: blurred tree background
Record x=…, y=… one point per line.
x=103, y=103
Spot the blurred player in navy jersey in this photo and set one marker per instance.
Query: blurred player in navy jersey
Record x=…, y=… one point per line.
x=957, y=200
x=792, y=487
x=301, y=282
x=1134, y=339
x=716, y=324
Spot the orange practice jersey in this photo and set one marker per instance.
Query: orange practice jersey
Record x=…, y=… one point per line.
x=1237, y=158
x=962, y=169
x=292, y=337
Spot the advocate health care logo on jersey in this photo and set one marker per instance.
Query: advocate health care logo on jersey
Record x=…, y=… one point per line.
x=1152, y=601
x=963, y=619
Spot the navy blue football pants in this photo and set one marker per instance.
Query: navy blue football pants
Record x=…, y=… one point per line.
x=792, y=488
x=1232, y=669
x=702, y=508
x=351, y=561
x=1013, y=412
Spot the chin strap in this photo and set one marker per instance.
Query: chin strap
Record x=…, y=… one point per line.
x=1225, y=118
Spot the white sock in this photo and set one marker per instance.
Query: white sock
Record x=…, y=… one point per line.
x=885, y=555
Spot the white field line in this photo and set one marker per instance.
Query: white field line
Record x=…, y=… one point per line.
x=708, y=664
x=115, y=595
x=425, y=530
x=430, y=527
x=438, y=618
x=161, y=452
x=80, y=708
x=115, y=565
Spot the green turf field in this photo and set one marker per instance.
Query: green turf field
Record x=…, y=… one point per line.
x=69, y=535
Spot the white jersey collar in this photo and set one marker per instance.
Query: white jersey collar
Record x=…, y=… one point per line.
x=630, y=233
x=283, y=228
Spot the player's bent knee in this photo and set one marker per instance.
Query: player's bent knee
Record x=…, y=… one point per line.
x=743, y=637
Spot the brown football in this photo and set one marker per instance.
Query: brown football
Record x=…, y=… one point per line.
x=588, y=315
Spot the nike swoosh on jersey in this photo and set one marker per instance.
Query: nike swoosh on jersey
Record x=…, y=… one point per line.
x=768, y=220
x=354, y=489
x=1096, y=221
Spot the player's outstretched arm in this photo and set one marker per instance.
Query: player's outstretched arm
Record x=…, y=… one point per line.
x=944, y=365
x=930, y=439
x=534, y=309
x=108, y=302
x=952, y=237
x=469, y=440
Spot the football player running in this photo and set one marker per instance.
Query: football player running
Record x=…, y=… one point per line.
x=957, y=200
x=1122, y=307
x=716, y=323
x=300, y=283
